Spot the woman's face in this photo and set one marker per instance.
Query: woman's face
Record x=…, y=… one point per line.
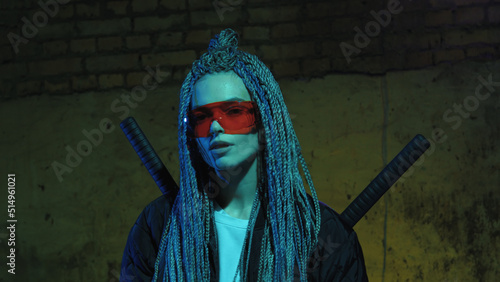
x=221, y=150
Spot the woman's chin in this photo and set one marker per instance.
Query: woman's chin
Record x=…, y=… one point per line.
x=224, y=165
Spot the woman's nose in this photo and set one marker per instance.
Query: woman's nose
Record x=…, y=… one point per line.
x=216, y=128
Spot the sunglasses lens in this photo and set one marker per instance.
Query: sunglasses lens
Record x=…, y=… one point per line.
x=235, y=117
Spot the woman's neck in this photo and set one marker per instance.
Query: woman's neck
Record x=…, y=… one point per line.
x=237, y=193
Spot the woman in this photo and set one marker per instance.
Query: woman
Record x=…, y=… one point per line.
x=242, y=212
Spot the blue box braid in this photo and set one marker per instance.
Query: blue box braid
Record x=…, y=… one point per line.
x=292, y=224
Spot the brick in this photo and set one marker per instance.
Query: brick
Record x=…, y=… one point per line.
x=118, y=7
x=419, y=59
x=368, y=64
x=110, y=80
x=470, y=2
x=409, y=20
x=110, y=63
x=331, y=48
x=416, y=41
x=394, y=61
x=140, y=6
x=173, y=5
x=465, y=37
x=217, y=19
x=56, y=86
x=58, y=47
x=199, y=37
x=56, y=31
x=374, y=48
x=148, y=24
x=448, y=55
x=59, y=66
x=11, y=18
x=228, y=11
x=170, y=39
x=135, y=78
x=485, y=52
x=285, y=51
x=438, y=18
x=256, y=33
x=16, y=4
x=273, y=14
x=315, y=66
x=104, y=27
x=170, y=58
x=4, y=40
x=364, y=7
x=66, y=12
x=28, y=88
x=398, y=41
x=138, y=42
x=7, y=53
x=284, y=30
x=340, y=64
x=315, y=28
x=12, y=70
x=87, y=10
x=428, y=40
x=201, y=4
x=412, y=6
x=109, y=43
x=285, y=68
x=345, y=26
x=442, y=4
x=326, y=9
x=83, y=45
x=473, y=15
x=82, y=83
x=494, y=14
x=29, y=50
x=494, y=35
x=205, y=18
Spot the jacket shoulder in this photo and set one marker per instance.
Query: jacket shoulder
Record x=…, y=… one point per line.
x=338, y=255
x=143, y=241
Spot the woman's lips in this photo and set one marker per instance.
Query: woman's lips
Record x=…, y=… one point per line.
x=219, y=145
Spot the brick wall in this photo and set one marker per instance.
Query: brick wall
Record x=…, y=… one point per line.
x=71, y=46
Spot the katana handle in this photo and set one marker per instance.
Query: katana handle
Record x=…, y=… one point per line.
x=148, y=156
x=385, y=179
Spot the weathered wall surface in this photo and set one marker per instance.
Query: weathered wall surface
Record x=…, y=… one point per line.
x=67, y=68
x=442, y=219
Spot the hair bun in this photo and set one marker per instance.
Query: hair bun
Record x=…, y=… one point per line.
x=225, y=39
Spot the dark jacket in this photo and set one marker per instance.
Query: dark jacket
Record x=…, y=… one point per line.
x=338, y=256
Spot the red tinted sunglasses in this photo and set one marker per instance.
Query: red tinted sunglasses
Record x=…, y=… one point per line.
x=234, y=116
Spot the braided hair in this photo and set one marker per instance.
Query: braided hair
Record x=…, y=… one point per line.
x=292, y=222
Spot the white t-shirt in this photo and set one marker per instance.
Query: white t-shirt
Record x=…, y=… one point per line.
x=230, y=237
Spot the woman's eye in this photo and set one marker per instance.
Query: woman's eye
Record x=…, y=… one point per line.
x=200, y=117
x=234, y=111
